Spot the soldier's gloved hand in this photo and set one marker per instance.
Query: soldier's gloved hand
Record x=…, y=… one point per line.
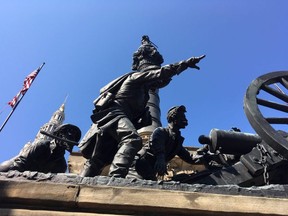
x=191, y=62
x=160, y=166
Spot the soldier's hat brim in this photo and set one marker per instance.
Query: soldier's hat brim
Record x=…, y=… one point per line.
x=72, y=131
x=181, y=108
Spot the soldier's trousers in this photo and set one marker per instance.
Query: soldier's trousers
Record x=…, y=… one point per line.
x=117, y=146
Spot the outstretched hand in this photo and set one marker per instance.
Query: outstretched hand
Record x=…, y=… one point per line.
x=193, y=61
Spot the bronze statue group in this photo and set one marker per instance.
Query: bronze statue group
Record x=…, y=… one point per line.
x=113, y=139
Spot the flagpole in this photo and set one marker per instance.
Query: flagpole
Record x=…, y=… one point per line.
x=19, y=100
x=10, y=114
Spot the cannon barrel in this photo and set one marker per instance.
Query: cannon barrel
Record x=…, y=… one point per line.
x=230, y=142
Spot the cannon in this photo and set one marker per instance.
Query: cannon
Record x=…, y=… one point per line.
x=263, y=157
x=229, y=142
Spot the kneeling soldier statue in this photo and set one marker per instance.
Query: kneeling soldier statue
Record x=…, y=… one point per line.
x=163, y=146
x=46, y=156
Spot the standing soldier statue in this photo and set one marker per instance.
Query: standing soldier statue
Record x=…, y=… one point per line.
x=121, y=109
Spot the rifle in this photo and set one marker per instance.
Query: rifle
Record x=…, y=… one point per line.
x=59, y=138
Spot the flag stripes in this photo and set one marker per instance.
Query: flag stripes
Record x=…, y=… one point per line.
x=14, y=101
x=26, y=85
x=17, y=99
x=28, y=81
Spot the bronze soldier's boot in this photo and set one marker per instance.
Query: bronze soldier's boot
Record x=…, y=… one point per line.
x=92, y=168
x=122, y=161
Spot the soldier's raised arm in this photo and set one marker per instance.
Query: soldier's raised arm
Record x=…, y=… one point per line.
x=183, y=65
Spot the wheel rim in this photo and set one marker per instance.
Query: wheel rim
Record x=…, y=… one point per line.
x=272, y=85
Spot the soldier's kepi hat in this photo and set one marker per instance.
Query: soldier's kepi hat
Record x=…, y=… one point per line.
x=70, y=131
x=172, y=112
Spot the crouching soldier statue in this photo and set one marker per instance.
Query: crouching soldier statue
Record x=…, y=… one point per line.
x=163, y=146
x=46, y=156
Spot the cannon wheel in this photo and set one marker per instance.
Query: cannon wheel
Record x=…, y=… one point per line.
x=263, y=125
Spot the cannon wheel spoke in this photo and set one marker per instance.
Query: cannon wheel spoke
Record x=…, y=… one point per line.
x=253, y=102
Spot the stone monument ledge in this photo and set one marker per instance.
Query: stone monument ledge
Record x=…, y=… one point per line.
x=34, y=193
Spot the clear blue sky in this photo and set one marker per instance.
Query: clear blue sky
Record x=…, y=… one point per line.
x=86, y=44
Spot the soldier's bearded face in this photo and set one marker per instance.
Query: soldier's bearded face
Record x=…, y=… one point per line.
x=181, y=121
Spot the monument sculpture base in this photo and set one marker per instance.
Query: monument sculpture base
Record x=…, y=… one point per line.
x=33, y=193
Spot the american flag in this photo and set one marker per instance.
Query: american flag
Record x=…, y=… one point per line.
x=14, y=101
x=28, y=81
x=26, y=85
